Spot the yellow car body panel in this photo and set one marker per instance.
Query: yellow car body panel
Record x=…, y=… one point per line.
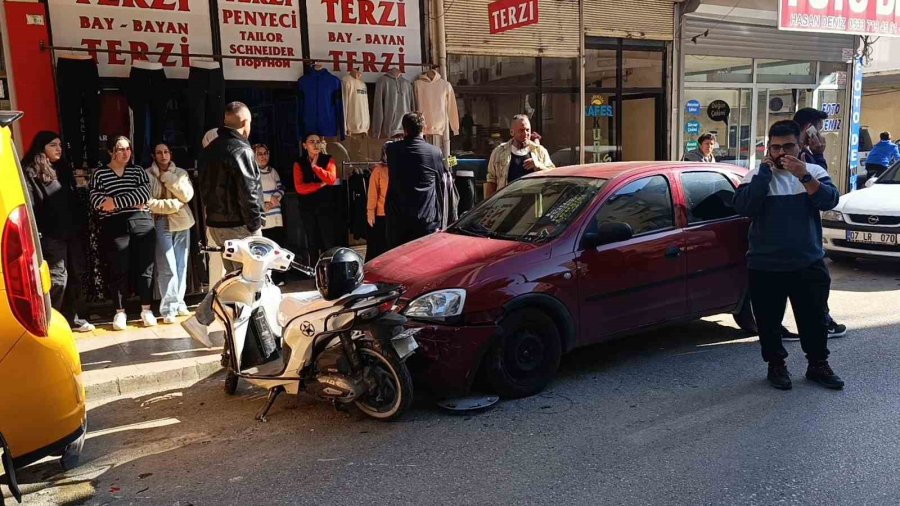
x=42, y=400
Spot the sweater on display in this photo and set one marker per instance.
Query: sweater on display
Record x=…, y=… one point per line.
x=394, y=97
x=438, y=104
x=320, y=104
x=356, y=105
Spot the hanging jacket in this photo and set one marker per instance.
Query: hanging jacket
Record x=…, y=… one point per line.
x=356, y=105
x=320, y=105
x=438, y=104
x=358, y=190
x=394, y=97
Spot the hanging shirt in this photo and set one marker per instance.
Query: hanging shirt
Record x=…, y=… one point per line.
x=320, y=104
x=438, y=104
x=394, y=97
x=356, y=105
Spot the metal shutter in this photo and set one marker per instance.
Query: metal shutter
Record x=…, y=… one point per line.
x=638, y=19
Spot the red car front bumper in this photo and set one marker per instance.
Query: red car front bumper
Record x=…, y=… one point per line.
x=448, y=357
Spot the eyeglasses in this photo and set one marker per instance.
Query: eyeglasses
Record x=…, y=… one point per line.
x=783, y=147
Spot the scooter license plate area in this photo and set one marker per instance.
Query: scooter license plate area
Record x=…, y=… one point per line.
x=405, y=343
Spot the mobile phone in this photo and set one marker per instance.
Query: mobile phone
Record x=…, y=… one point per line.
x=811, y=131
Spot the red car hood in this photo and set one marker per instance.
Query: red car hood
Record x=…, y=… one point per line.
x=441, y=260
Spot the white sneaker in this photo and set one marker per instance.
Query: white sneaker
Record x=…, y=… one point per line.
x=120, y=321
x=148, y=318
x=170, y=319
x=197, y=331
x=183, y=311
x=84, y=327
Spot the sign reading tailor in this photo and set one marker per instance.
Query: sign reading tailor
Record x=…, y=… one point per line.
x=859, y=17
x=505, y=15
x=170, y=27
x=718, y=110
x=692, y=107
x=371, y=36
x=267, y=29
x=692, y=127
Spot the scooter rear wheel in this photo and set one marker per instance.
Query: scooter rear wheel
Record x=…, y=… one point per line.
x=392, y=392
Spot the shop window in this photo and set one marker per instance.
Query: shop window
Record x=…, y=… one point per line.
x=833, y=74
x=560, y=72
x=485, y=120
x=470, y=70
x=717, y=69
x=642, y=69
x=709, y=196
x=785, y=72
x=600, y=68
x=732, y=131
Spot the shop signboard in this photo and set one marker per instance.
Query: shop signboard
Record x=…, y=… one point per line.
x=267, y=30
x=506, y=15
x=855, y=113
x=692, y=107
x=116, y=32
x=852, y=17
x=371, y=36
x=692, y=127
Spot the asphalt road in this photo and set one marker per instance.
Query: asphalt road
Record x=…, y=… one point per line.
x=678, y=416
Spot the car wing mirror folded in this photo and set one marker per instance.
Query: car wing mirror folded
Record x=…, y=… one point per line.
x=607, y=233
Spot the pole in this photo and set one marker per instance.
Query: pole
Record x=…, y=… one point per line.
x=581, y=63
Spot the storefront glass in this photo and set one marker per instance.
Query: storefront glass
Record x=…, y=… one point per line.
x=785, y=72
x=717, y=69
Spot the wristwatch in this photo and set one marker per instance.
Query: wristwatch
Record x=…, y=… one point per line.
x=806, y=178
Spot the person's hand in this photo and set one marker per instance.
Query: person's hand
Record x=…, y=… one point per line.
x=267, y=206
x=529, y=164
x=816, y=144
x=767, y=160
x=371, y=220
x=108, y=205
x=794, y=165
x=276, y=201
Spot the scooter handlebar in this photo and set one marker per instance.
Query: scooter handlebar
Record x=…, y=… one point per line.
x=210, y=249
x=303, y=269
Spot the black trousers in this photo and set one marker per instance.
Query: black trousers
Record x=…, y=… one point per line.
x=318, y=225
x=465, y=186
x=147, y=95
x=79, y=100
x=376, y=241
x=807, y=290
x=204, y=103
x=401, y=231
x=128, y=242
x=66, y=259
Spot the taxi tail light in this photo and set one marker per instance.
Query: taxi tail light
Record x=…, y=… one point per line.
x=21, y=273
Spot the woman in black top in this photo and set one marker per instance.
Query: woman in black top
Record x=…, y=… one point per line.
x=62, y=222
x=119, y=193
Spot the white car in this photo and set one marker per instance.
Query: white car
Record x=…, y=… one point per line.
x=866, y=223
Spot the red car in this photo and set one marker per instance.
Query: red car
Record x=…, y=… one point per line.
x=566, y=258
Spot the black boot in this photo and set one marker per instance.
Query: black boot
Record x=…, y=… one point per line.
x=820, y=372
x=779, y=376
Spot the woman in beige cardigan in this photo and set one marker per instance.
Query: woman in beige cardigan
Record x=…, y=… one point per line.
x=170, y=190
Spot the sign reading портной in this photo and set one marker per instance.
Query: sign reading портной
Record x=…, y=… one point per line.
x=505, y=15
x=860, y=17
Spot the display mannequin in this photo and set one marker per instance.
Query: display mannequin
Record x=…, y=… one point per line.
x=78, y=82
x=204, y=100
x=394, y=97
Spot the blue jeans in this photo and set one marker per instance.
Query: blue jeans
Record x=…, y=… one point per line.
x=171, y=266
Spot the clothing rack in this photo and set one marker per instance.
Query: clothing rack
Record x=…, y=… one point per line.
x=218, y=57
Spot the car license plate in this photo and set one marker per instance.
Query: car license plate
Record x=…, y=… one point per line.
x=872, y=238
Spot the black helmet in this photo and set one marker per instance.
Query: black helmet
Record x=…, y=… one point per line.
x=339, y=271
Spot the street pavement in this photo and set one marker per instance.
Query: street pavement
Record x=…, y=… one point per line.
x=681, y=415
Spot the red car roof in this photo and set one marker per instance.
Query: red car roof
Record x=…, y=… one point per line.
x=615, y=169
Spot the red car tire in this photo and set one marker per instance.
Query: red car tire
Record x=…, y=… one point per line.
x=524, y=358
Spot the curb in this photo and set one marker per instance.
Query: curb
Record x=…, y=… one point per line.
x=148, y=380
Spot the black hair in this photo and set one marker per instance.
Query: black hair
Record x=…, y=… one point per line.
x=784, y=128
x=40, y=141
x=809, y=116
x=885, y=136
x=413, y=124
x=706, y=137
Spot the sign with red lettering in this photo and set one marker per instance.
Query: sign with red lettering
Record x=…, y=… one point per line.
x=109, y=28
x=852, y=17
x=505, y=15
x=371, y=36
x=262, y=29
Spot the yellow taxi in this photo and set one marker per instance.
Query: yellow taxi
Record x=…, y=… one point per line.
x=42, y=408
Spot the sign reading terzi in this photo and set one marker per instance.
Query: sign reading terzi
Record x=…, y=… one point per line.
x=860, y=17
x=269, y=29
x=505, y=15
x=116, y=32
x=371, y=36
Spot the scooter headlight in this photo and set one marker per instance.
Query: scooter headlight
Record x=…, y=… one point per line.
x=438, y=305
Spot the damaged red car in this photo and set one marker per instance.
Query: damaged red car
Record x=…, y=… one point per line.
x=566, y=258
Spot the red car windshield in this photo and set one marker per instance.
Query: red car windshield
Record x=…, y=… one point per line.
x=530, y=209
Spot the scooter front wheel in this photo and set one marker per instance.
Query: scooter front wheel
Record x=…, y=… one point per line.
x=390, y=386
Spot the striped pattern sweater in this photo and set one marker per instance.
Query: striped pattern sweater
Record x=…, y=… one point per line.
x=272, y=188
x=130, y=192
x=786, y=227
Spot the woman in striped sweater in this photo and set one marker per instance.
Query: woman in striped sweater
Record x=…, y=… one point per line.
x=119, y=193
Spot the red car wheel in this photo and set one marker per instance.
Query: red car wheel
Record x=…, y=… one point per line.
x=525, y=356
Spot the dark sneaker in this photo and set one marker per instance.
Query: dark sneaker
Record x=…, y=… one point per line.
x=787, y=335
x=821, y=373
x=835, y=329
x=779, y=376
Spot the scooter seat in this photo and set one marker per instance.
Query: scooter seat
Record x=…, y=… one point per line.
x=303, y=302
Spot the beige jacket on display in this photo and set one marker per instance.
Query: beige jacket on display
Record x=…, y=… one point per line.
x=170, y=191
x=437, y=103
x=498, y=166
x=356, y=105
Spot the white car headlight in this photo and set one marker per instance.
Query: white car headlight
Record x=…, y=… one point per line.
x=832, y=216
x=438, y=305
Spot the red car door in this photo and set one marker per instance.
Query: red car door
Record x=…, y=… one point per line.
x=632, y=283
x=715, y=242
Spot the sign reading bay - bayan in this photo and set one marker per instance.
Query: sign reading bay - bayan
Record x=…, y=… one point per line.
x=115, y=32
x=267, y=29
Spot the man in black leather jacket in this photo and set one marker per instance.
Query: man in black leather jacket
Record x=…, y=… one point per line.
x=230, y=183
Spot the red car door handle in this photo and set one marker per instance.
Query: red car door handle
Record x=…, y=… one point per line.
x=673, y=252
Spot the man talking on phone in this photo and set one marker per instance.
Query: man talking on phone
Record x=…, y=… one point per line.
x=812, y=144
x=783, y=198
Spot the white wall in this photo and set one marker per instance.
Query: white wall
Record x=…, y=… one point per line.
x=886, y=57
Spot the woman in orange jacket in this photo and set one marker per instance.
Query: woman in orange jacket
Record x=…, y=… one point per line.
x=314, y=173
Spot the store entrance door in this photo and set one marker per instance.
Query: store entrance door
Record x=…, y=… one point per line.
x=640, y=130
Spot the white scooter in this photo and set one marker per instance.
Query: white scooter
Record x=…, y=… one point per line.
x=349, y=350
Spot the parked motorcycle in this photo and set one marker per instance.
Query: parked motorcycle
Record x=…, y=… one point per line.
x=341, y=343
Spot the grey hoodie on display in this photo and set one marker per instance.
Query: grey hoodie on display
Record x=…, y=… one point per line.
x=394, y=97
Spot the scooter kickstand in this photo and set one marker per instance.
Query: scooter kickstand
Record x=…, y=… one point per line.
x=273, y=394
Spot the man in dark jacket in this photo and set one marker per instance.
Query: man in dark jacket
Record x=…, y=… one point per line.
x=784, y=198
x=414, y=206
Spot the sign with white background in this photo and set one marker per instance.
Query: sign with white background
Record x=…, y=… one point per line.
x=266, y=30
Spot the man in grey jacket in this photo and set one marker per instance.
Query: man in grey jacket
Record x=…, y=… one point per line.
x=703, y=154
